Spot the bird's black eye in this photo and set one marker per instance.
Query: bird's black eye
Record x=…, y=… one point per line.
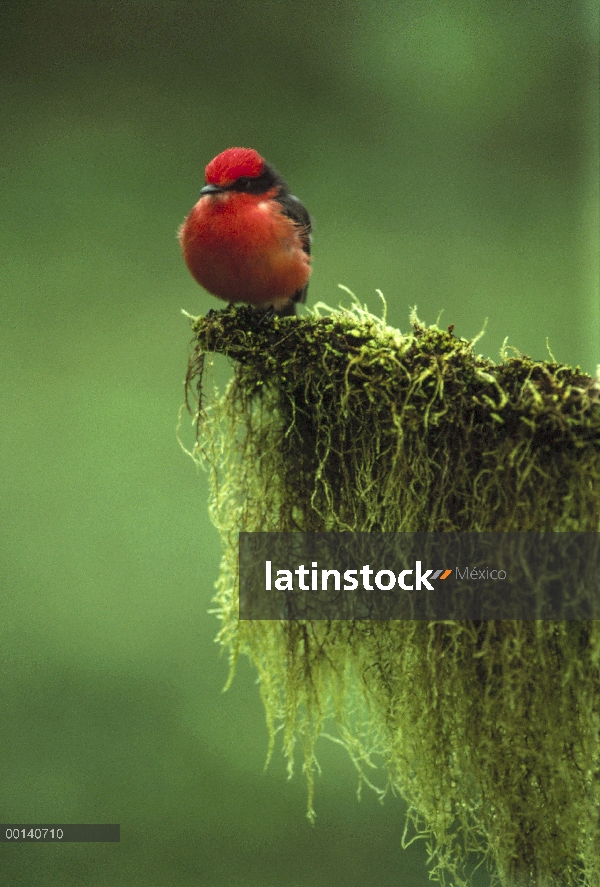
x=243, y=183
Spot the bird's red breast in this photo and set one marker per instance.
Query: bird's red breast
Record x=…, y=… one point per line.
x=244, y=246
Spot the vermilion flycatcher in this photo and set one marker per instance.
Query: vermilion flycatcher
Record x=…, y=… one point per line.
x=248, y=239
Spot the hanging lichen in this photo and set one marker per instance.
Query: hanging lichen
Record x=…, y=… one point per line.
x=489, y=730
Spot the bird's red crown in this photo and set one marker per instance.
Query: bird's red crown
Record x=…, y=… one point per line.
x=233, y=163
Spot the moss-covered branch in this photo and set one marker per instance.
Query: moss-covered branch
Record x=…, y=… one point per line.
x=491, y=730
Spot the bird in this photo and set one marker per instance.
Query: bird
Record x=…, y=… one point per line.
x=248, y=238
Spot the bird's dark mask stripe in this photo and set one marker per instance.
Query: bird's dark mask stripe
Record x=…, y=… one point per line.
x=266, y=181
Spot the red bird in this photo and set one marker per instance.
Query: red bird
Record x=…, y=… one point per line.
x=248, y=239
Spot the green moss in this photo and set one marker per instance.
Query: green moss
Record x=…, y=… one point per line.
x=490, y=730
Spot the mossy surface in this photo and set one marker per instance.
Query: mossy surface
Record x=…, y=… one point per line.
x=489, y=730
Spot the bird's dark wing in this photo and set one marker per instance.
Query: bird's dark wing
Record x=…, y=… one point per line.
x=297, y=212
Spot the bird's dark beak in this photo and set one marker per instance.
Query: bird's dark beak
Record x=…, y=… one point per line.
x=210, y=189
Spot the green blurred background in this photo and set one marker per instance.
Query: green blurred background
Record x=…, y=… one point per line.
x=448, y=153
